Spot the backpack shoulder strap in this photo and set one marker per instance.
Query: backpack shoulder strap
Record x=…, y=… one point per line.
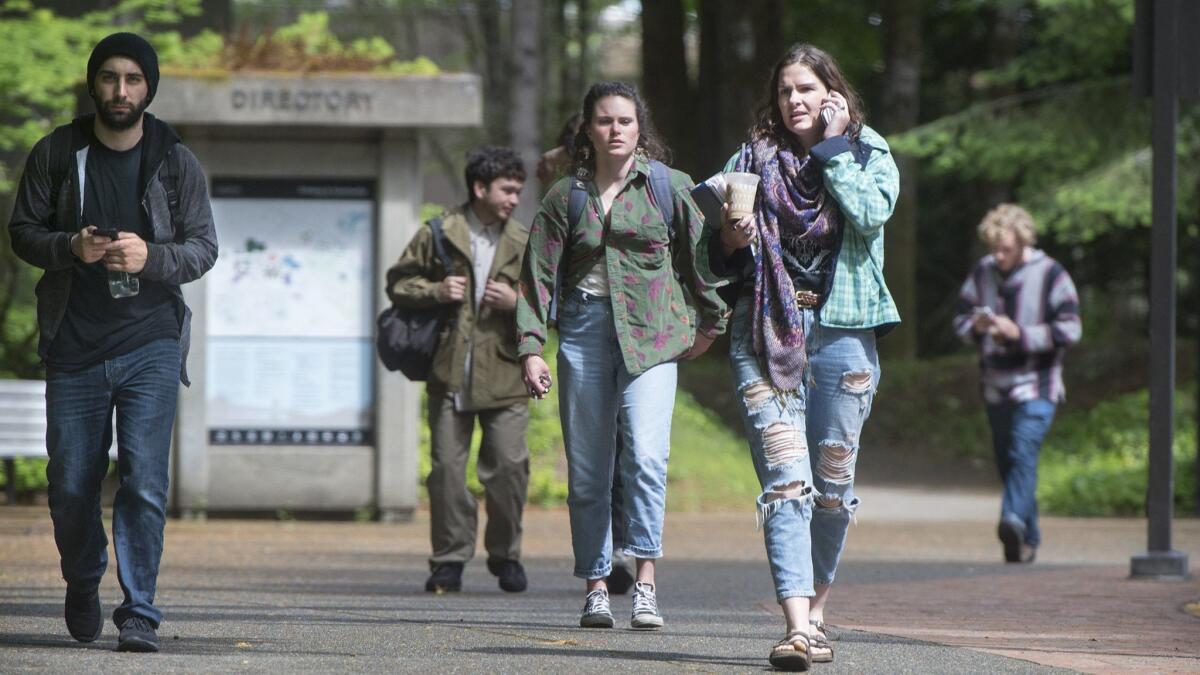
x=576, y=202
x=60, y=160
x=439, y=243
x=170, y=183
x=662, y=194
x=171, y=180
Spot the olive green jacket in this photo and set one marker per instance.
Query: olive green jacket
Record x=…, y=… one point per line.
x=490, y=335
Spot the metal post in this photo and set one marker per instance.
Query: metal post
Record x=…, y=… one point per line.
x=1160, y=561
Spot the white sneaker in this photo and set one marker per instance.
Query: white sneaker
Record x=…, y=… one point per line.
x=596, y=612
x=645, y=608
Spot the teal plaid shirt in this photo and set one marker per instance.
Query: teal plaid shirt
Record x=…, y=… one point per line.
x=867, y=196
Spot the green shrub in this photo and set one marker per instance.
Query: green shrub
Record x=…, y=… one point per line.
x=1095, y=463
x=31, y=475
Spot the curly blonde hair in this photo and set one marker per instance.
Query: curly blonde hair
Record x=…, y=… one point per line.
x=1007, y=218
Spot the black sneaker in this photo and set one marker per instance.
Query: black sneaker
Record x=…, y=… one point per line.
x=83, y=615
x=596, y=610
x=511, y=574
x=1012, y=535
x=622, y=576
x=137, y=635
x=446, y=578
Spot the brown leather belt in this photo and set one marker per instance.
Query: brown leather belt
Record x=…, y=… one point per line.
x=807, y=299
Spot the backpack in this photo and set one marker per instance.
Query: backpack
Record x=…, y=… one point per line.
x=407, y=337
x=660, y=193
x=62, y=160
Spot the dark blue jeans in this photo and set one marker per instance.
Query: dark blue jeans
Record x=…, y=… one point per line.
x=143, y=386
x=1017, y=433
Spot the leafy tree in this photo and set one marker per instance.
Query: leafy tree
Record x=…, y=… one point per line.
x=1053, y=125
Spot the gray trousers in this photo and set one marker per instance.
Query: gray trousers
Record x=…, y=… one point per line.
x=503, y=470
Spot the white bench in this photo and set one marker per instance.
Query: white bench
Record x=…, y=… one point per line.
x=23, y=427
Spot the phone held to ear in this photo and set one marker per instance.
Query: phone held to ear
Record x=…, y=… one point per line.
x=826, y=116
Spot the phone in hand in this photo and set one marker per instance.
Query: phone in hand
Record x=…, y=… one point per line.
x=826, y=116
x=110, y=232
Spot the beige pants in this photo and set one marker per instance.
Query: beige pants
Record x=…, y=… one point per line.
x=503, y=469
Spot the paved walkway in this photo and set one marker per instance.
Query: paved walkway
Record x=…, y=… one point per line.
x=920, y=591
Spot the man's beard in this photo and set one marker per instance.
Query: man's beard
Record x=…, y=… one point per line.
x=119, y=121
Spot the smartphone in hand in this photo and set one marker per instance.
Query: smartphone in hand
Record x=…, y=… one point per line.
x=826, y=116
x=110, y=232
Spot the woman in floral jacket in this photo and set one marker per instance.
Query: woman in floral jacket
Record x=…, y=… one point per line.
x=809, y=300
x=630, y=290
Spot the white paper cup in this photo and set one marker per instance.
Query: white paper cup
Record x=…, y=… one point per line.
x=740, y=190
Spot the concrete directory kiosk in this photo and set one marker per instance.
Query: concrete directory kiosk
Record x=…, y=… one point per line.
x=316, y=190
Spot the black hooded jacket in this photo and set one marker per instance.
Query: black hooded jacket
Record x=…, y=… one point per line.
x=184, y=243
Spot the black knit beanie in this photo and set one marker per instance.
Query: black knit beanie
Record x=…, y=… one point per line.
x=128, y=45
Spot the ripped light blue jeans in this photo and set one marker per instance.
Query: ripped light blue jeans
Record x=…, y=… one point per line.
x=804, y=445
x=595, y=391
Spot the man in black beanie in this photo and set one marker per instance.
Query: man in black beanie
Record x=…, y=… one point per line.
x=115, y=210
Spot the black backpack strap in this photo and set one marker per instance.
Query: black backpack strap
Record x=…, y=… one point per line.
x=60, y=164
x=576, y=202
x=170, y=177
x=171, y=180
x=439, y=244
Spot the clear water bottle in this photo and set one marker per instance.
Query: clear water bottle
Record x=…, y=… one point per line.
x=123, y=284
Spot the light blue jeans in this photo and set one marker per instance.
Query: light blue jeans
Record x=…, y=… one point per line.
x=595, y=390
x=804, y=445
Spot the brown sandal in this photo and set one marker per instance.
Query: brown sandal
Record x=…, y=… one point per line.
x=820, y=649
x=792, y=652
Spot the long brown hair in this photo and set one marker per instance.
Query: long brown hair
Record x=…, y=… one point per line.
x=583, y=154
x=769, y=122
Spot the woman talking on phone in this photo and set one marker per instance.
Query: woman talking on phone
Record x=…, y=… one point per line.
x=631, y=271
x=809, y=301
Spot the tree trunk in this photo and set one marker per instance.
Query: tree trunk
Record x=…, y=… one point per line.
x=568, y=94
x=665, y=84
x=526, y=87
x=901, y=99
x=496, y=69
x=582, y=69
x=711, y=141
x=768, y=42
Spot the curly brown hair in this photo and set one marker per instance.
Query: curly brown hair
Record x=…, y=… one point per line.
x=1005, y=218
x=768, y=120
x=583, y=154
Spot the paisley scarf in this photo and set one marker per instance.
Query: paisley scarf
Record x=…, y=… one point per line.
x=792, y=202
